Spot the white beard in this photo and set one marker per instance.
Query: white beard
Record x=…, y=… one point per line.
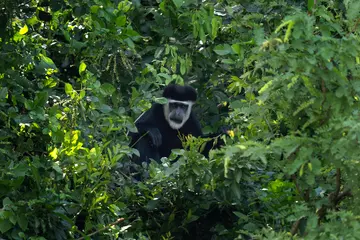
x=172, y=124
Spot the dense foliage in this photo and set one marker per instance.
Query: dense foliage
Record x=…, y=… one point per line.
x=283, y=75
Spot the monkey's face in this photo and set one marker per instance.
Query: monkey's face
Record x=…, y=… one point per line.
x=177, y=112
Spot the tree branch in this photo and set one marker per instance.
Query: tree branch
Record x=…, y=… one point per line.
x=295, y=227
x=342, y=196
x=102, y=229
x=338, y=182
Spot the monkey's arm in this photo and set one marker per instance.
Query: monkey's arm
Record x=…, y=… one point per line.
x=146, y=125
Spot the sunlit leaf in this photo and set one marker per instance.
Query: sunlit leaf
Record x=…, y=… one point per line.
x=54, y=153
x=24, y=30
x=82, y=67
x=68, y=88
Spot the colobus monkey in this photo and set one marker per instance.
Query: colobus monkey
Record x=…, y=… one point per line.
x=160, y=126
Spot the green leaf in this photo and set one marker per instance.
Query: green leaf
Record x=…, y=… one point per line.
x=152, y=204
x=165, y=76
x=222, y=49
x=310, y=179
x=130, y=43
x=241, y=216
x=237, y=104
x=214, y=28
x=235, y=188
x=202, y=34
x=50, y=82
x=94, y=9
x=41, y=99
x=178, y=3
x=190, y=180
x=32, y=21
x=46, y=62
x=295, y=165
x=259, y=35
x=3, y=92
x=226, y=166
x=352, y=9
x=68, y=89
x=66, y=35
x=182, y=66
x=124, y=6
x=228, y=61
x=316, y=165
x=57, y=168
x=82, y=67
x=5, y=225
x=131, y=33
x=22, y=221
x=238, y=176
x=120, y=21
x=161, y=100
x=107, y=89
x=64, y=217
x=236, y=48
x=196, y=170
x=28, y=104
x=82, y=94
x=7, y=202
x=36, y=176
x=105, y=108
x=20, y=170
x=310, y=4
x=77, y=45
x=158, y=52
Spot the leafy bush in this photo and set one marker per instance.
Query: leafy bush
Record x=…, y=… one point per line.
x=283, y=74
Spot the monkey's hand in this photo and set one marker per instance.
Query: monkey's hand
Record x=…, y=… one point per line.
x=155, y=136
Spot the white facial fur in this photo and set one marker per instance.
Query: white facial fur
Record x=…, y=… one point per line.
x=172, y=124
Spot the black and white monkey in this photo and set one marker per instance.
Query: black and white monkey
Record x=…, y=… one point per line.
x=159, y=127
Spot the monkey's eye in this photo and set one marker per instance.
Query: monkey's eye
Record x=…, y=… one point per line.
x=175, y=105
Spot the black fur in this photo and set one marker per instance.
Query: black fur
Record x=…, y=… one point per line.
x=155, y=119
x=180, y=93
x=155, y=138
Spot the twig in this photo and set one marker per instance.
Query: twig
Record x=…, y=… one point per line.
x=296, y=184
x=334, y=201
x=295, y=227
x=323, y=89
x=355, y=26
x=106, y=227
x=343, y=195
x=338, y=183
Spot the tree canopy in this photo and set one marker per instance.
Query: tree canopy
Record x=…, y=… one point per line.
x=283, y=75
